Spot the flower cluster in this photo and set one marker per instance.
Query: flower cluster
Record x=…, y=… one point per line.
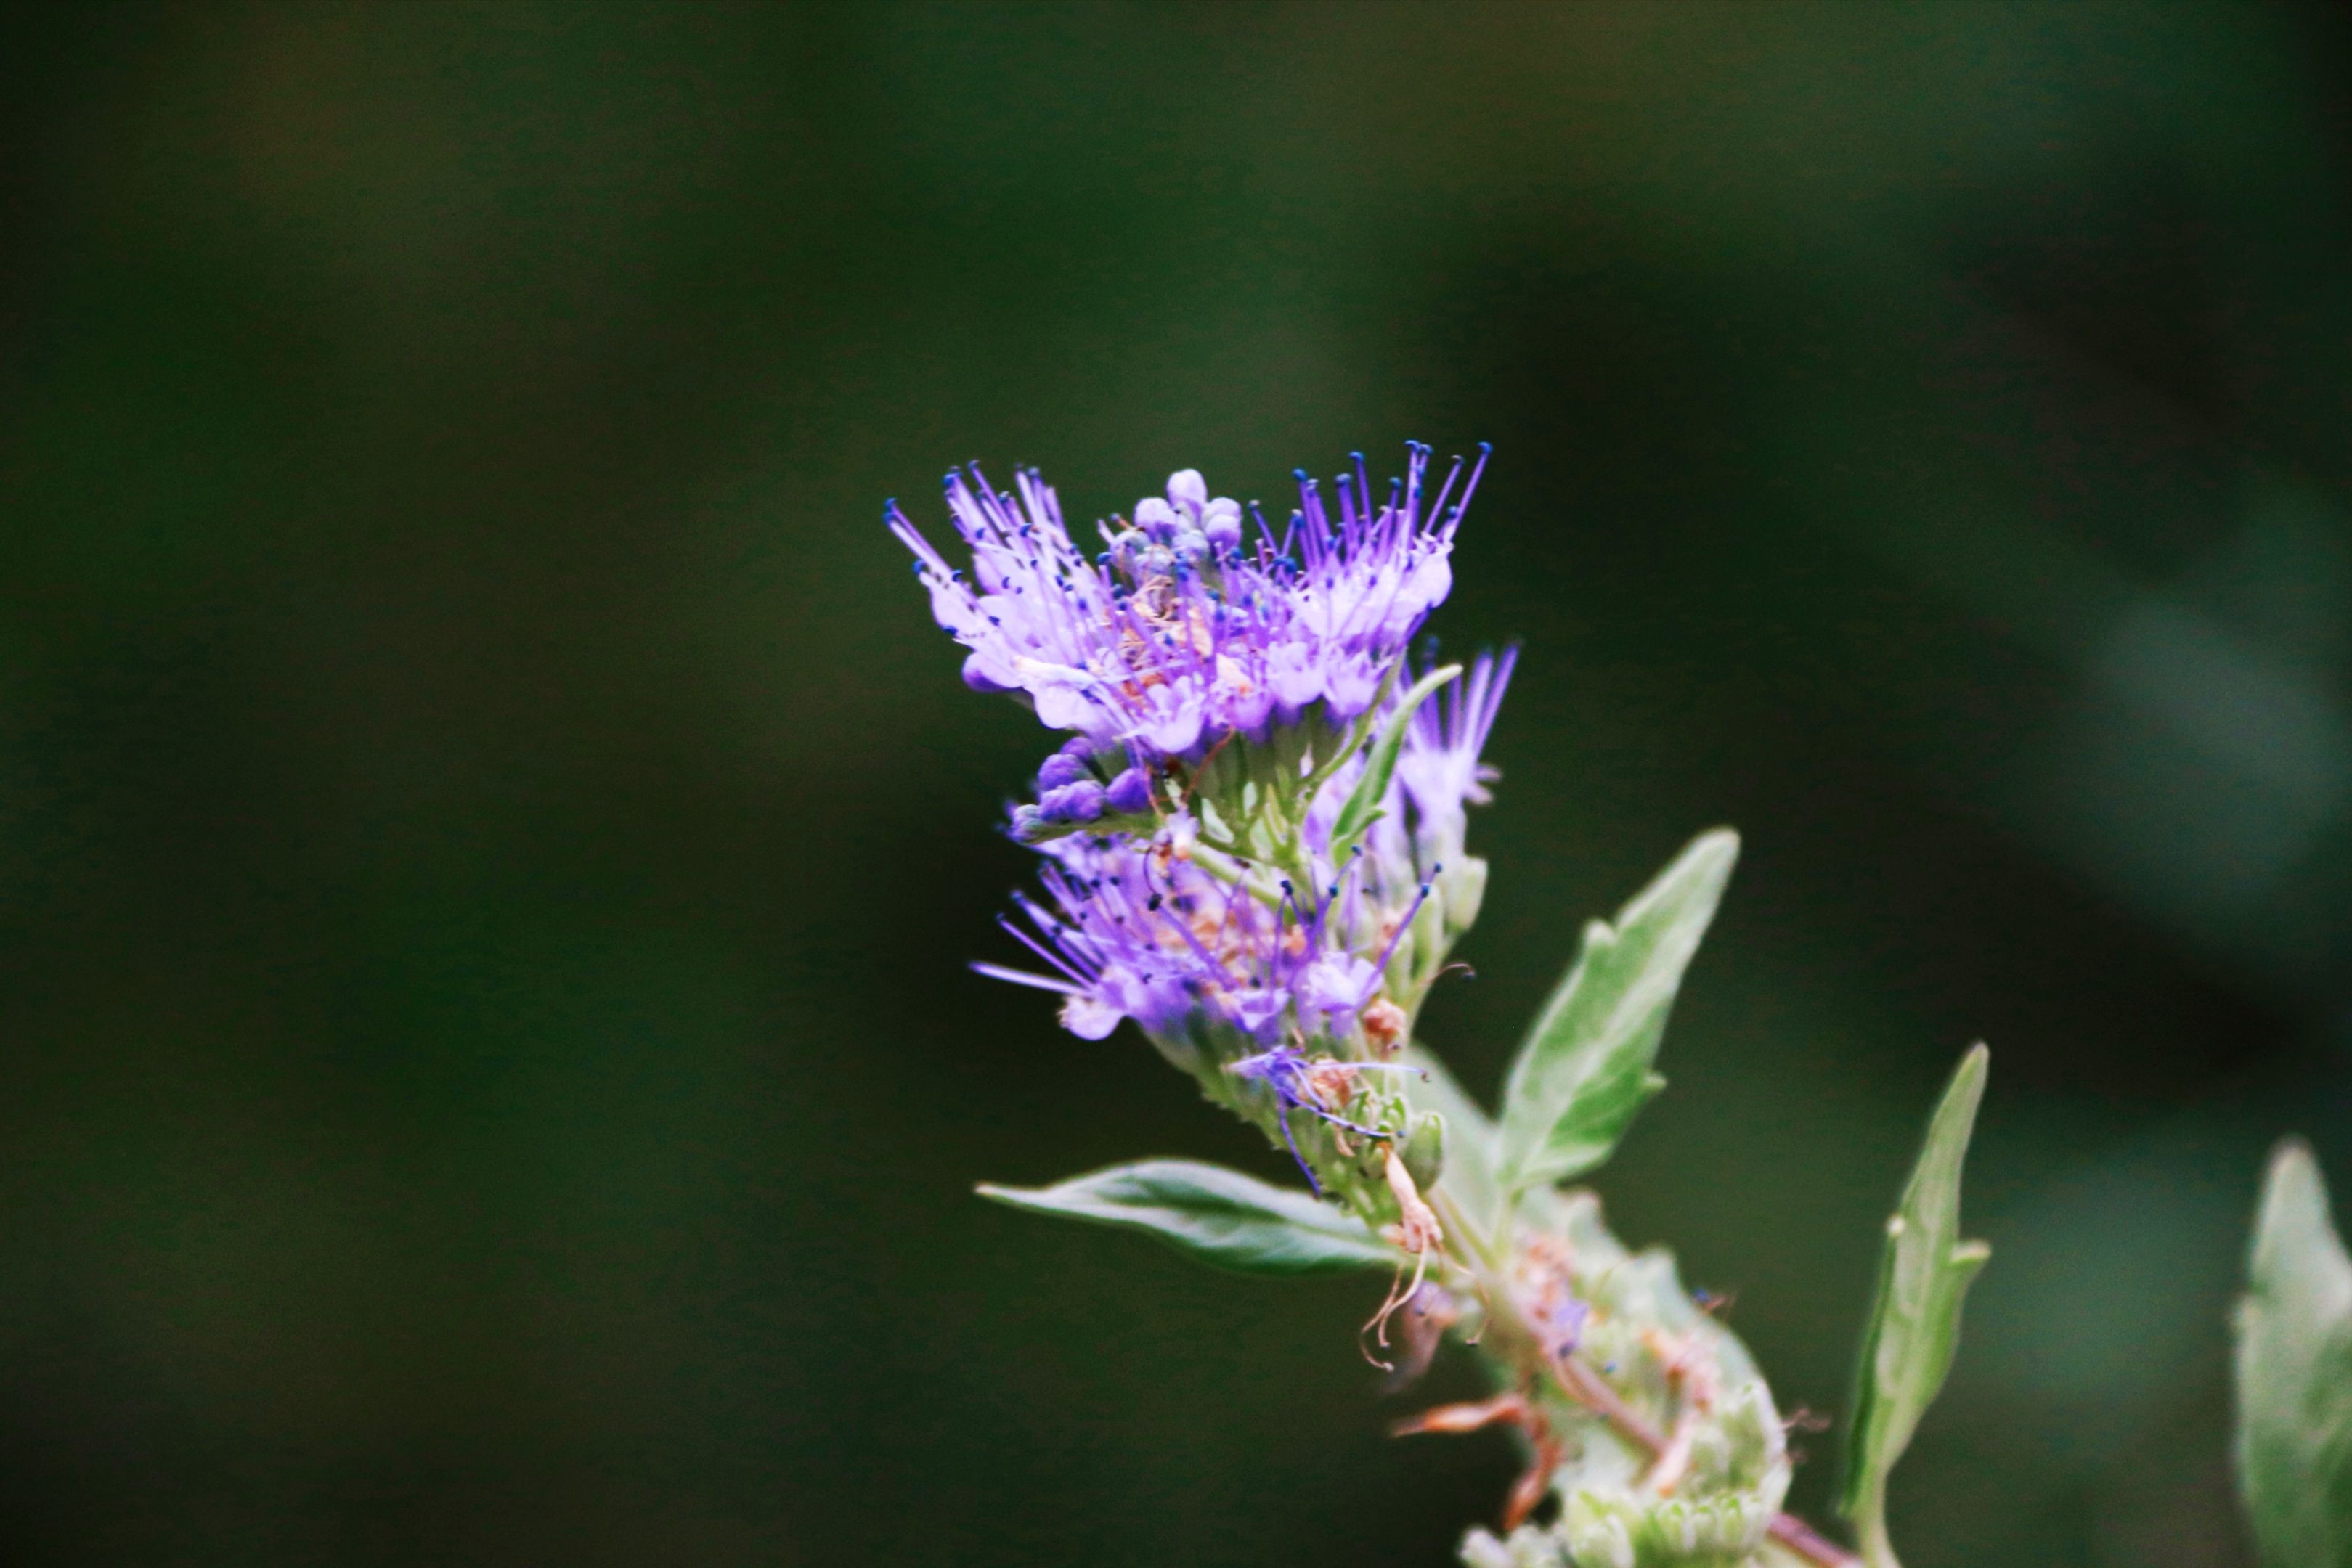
x=1189, y=624
x=1206, y=951
x=1253, y=841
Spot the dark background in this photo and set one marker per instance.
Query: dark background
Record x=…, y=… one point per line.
x=489, y=836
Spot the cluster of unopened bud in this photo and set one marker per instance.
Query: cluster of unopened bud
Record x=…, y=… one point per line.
x=1651, y=1425
x=1079, y=790
x=1176, y=532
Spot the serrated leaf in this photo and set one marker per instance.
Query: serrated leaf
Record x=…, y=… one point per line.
x=1219, y=1215
x=1363, y=803
x=2294, y=1374
x=1586, y=1067
x=1914, y=1323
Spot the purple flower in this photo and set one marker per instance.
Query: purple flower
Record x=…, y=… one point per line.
x=1196, y=948
x=1100, y=941
x=1192, y=625
x=1132, y=928
x=1439, y=766
x=1218, y=906
x=1337, y=986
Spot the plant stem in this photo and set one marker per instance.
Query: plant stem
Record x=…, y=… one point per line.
x=1809, y=1543
x=1870, y=1524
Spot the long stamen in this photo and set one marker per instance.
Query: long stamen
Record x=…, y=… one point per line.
x=1405, y=925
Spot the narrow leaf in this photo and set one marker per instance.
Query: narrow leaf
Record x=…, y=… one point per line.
x=2294, y=1374
x=1587, y=1065
x=1363, y=803
x=1914, y=1323
x=1219, y=1215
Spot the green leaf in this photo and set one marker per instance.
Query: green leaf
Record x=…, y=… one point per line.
x=1914, y=1323
x=1219, y=1215
x=1586, y=1066
x=2294, y=1374
x=1363, y=807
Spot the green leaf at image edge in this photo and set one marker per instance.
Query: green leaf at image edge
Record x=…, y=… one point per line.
x=1914, y=1323
x=2294, y=1374
x=1219, y=1215
x=1586, y=1067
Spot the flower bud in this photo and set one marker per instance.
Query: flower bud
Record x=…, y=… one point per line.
x=1535, y=1549
x=1424, y=1148
x=1479, y=1549
x=1060, y=768
x=1078, y=802
x=1756, y=1449
x=1221, y=522
x=1186, y=488
x=1462, y=888
x=1596, y=1534
x=1130, y=793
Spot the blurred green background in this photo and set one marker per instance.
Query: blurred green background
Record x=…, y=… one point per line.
x=489, y=838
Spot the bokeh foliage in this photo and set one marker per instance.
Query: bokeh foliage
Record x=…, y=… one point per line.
x=488, y=836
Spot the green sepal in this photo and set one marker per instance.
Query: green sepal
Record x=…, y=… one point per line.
x=2294, y=1374
x=1914, y=1323
x=1222, y=1217
x=1363, y=807
x=1586, y=1067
